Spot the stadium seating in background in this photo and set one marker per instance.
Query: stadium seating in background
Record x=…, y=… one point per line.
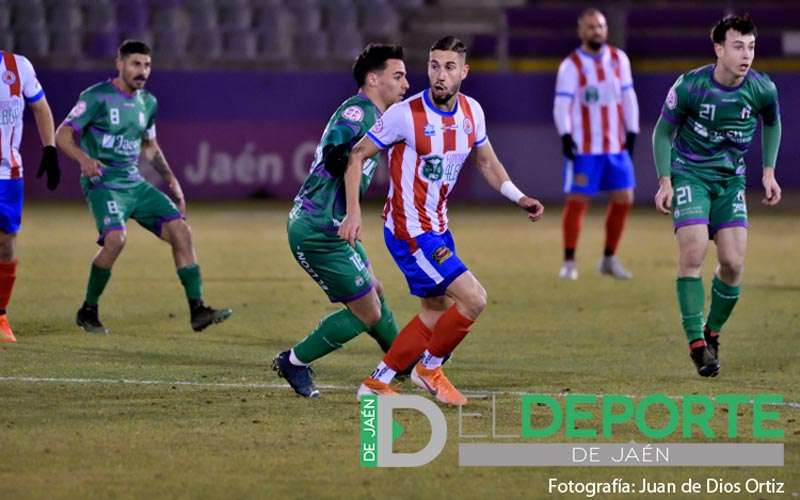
x=323, y=34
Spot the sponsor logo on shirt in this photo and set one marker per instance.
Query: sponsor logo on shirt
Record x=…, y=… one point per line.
x=77, y=110
x=353, y=113
x=377, y=128
x=433, y=169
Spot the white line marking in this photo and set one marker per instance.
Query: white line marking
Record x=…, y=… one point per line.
x=257, y=385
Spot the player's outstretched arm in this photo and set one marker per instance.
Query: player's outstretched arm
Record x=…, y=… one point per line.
x=152, y=151
x=495, y=174
x=46, y=127
x=350, y=229
x=662, y=152
x=66, y=143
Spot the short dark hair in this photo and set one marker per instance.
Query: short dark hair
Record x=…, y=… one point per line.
x=450, y=43
x=129, y=47
x=373, y=58
x=743, y=24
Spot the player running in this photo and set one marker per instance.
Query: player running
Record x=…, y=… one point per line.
x=713, y=112
x=21, y=88
x=115, y=121
x=429, y=136
x=342, y=271
x=597, y=117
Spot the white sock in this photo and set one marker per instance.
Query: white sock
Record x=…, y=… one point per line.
x=430, y=361
x=293, y=359
x=383, y=373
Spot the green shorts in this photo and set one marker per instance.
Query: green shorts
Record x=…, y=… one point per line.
x=142, y=202
x=716, y=204
x=339, y=269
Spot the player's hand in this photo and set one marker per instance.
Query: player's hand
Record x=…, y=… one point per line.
x=350, y=229
x=663, y=197
x=772, y=191
x=630, y=142
x=49, y=164
x=177, y=195
x=91, y=168
x=568, y=146
x=533, y=206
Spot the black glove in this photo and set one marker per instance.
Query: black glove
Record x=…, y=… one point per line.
x=630, y=141
x=49, y=164
x=335, y=158
x=568, y=146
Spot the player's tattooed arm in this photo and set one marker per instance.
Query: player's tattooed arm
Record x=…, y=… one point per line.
x=155, y=156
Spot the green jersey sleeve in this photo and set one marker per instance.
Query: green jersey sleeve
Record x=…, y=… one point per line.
x=350, y=124
x=676, y=105
x=84, y=111
x=150, y=129
x=769, y=111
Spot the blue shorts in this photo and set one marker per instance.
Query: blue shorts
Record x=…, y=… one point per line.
x=10, y=205
x=429, y=261
x=588, y=174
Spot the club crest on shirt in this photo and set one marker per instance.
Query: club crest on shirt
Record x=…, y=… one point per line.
x=9, y=78
x=441, y=254
x=429, y=130
x=467, y=126
x=377, y=128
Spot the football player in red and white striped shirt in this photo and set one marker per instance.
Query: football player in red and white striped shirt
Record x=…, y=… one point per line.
x=429, y=136
x=597, y=117
x=20, y=88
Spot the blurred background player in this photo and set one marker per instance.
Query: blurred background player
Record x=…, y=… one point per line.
x=20, y=87
x=714, y=112
x=342, y=271
x=597, y=117
x=115, y=121
x=429, y=136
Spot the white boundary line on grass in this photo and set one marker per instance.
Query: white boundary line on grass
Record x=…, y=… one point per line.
x=256, y=385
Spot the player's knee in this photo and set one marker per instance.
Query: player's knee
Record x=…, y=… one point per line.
x=371, y=316
x=476, y=302
x=691, y=260
x=7, y=249
x=114, y=242
x=731, y=265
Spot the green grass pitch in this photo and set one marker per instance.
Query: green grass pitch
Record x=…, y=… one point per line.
x=202, y=416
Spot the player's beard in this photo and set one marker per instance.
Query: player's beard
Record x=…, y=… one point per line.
x=444, y=99
x=594, y=45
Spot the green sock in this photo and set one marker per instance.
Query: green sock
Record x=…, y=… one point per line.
x=690, y=300
x=191, y=281
x=98, y=277
x=385, y=330
x=723, y=298
x=330, y=334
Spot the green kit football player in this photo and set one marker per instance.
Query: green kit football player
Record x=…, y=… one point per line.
x=115, y=121
x=342, y=271
x=706, y=126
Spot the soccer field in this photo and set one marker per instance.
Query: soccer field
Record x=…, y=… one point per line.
x=155, y=410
